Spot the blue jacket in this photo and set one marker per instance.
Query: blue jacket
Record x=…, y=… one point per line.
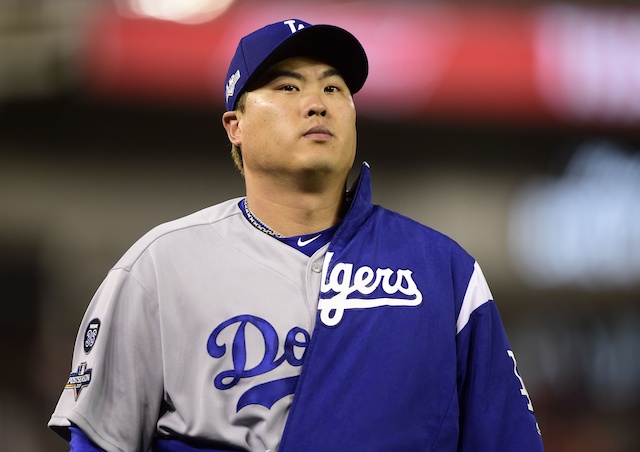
x=402, y=369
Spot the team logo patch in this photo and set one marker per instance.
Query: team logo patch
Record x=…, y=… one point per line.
x=91, y=335
x=78, y=380
x=231, y=84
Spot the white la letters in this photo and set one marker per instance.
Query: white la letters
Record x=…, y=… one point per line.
x=523, y=390
x=292, y=25
x=343, y=282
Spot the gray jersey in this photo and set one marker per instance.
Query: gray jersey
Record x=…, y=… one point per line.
x=198, y=331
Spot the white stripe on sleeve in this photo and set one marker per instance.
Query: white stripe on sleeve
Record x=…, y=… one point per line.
x=477, y=294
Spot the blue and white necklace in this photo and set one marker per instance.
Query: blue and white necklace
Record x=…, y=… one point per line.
x=255, y=221
x=306, y=243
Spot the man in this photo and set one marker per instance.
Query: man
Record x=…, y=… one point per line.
x=300, y=317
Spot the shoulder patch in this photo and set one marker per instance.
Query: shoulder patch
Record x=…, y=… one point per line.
x=91, y=335
x=79, y=379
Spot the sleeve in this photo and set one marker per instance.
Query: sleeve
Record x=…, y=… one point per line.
x=496, y=412
x=81, y=443
x=115, y=387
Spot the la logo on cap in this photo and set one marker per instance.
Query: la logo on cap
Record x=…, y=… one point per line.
x=292, y=25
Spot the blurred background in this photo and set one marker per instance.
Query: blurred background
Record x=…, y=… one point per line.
x=513, y=127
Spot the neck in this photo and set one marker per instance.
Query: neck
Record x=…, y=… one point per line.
x=296, y=212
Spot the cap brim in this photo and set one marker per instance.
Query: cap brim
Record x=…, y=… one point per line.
x=327, y=43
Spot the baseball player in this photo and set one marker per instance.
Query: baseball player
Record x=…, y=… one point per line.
x=300, y=317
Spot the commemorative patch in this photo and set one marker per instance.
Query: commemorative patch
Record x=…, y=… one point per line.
x=79, y=379
x=91, y=335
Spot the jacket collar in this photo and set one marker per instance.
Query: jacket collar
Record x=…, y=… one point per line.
x=360, y=207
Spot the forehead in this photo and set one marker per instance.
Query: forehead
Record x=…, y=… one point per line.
x=300, y=62
x=299, y=67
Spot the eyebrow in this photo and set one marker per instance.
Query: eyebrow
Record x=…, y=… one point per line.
x=277, y=73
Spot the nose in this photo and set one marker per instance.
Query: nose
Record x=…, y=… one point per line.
x=319, y=111
x=315, y=106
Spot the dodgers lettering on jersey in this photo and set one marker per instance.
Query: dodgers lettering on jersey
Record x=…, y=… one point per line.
x=265, y=394
x=379, y=287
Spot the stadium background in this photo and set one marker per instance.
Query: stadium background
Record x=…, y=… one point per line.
x=512, y=126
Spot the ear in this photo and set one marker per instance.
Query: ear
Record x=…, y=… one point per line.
x=231, y=123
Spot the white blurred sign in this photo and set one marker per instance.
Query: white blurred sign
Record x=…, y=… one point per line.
x=583, y=229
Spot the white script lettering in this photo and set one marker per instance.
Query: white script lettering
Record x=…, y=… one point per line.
x=344, y=281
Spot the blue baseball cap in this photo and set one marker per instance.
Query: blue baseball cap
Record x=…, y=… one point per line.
x=263, y=48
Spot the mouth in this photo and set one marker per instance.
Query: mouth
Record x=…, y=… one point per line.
x=318, y=133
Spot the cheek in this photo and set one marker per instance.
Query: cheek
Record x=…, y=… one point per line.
x=264, y=133
x=257, y=125
x=347, y=113
x=349, y=122
x=268, y=130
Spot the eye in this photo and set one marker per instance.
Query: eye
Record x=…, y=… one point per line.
x=289, y=88
x=331, y=89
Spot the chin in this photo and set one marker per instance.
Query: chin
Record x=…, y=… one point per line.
x=325, y=161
